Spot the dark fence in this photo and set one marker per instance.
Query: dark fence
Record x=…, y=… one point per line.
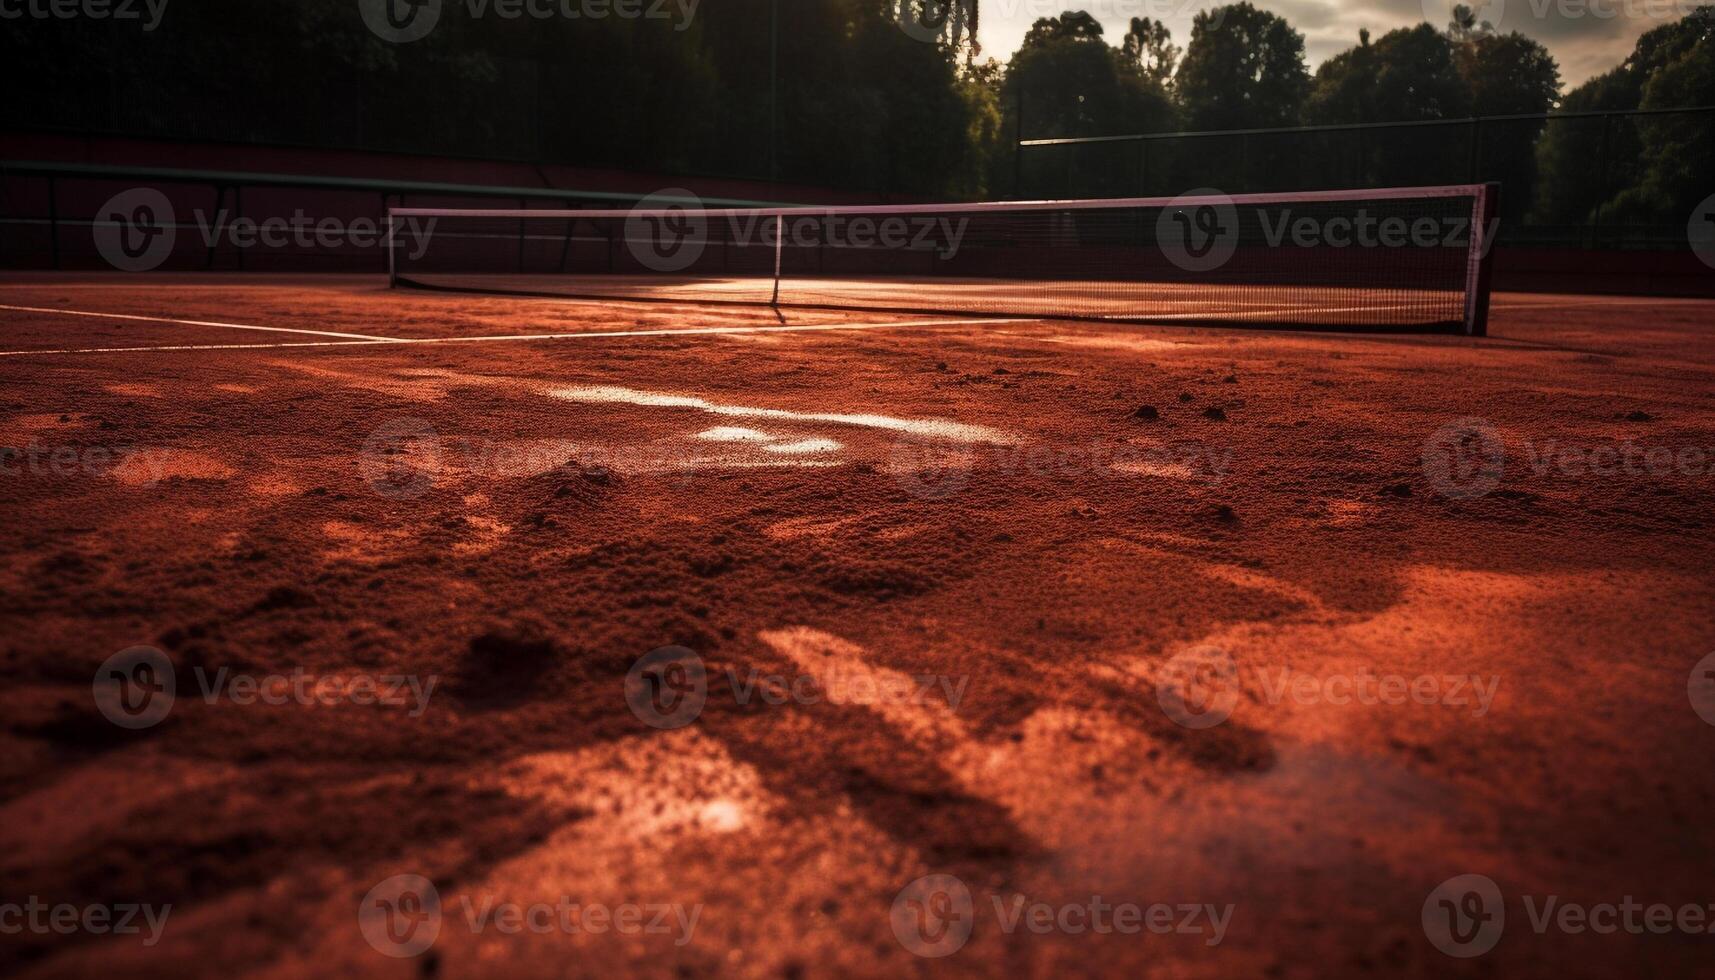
x=49, y=214
x=1590, y=180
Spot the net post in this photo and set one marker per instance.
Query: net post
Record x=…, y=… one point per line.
x=392, y=263
x=1480, y=265
x=779, y=255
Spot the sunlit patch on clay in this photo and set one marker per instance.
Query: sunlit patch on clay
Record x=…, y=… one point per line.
x=144, y=468
x=1166, y=471
x=803, y=447
x=929, y=428
x=732, y=434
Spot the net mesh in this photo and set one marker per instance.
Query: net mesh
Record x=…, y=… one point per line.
x=1392, y=259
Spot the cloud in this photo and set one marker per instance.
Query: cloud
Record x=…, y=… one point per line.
x=1587, y=37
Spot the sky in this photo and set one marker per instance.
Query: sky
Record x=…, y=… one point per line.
x=1587, y=37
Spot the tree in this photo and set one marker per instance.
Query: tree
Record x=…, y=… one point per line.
x=1243, y=68
x=1073, y=25
x=1602, y=170
x=1344, y=90
x=1407, y=75
x=864, y=105
x=1071, y=82
x=1149, y=48
x=1676, y=148
x=1505, y=74
x=1416, y=77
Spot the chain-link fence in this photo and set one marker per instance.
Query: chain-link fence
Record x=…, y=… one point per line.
x=1593, y=180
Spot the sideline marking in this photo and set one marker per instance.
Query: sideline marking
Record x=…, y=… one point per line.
x=360, y=340
x=189, y=323
x=1614, y=301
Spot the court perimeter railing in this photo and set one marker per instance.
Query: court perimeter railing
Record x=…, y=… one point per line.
x=1574, y=179
x=236, y=220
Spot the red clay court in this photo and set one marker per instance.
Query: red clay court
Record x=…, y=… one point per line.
x=1030, y=526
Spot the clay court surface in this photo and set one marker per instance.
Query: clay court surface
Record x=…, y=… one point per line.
x=847, y=496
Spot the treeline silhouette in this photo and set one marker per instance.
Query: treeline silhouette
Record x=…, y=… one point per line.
x=857, y=102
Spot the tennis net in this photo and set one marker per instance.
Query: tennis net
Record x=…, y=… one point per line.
x=1402, y=258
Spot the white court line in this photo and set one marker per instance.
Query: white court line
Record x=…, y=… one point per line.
x=1639, y=301
x=519, y=338
x=188, y=323
x=1254, y=314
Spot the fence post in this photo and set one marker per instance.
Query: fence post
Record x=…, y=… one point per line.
x=523, y=231
x=1476, y=149
x=1018, y=146
x=1602, y=177
x=54, y=222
